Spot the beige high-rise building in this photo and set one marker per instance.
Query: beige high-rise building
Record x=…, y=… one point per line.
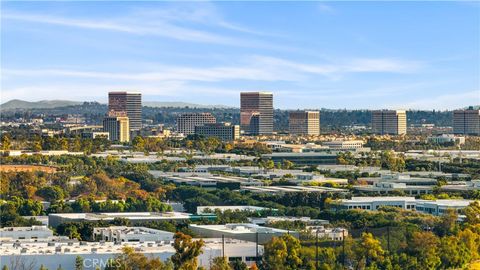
x=117, y=125
x=304, y=122
x=187, y=122
x=393, y=122
x=256, y=112
x=466, y=122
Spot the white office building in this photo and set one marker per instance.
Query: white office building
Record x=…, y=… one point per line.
x=345, y=145
x=52, y=254
x=388, y=187
x=336, y=234
x=134, y=217
x=241, y=231
x=21, y=233
x=437, y=207
x=373, y=203
x=210, y=209
x=130, y=234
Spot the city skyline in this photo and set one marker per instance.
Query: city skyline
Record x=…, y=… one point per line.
x=399, y=55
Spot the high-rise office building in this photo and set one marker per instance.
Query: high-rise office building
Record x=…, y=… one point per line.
x=304, y=122
x=117, y=125
x=223, y=131
x=393, y=122
x=129, y=102
x=466, y=122
x=186, y=123
x=256, y=107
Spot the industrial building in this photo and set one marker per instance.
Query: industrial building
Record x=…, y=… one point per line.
x=240, y=231
x=130, y=234
x=56, y=219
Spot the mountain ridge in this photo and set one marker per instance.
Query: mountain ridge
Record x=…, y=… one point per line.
x=17, y=104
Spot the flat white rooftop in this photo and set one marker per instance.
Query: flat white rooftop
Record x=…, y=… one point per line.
x=239, y=228
x=378, y=199
x=280, y=189
x=127, y=215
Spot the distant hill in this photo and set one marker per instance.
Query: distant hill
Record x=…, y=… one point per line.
x=173, y=104
x=16, y=104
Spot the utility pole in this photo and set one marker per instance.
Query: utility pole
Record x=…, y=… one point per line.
x=223, y=245
x=316, y=250
x=388, y=239
x=256, y=248
x=343, y=248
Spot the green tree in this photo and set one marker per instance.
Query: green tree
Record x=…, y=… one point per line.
x=369, y=251
x=220, y=263
x=131, y=260
x=187, y=251
x=424, y=246
x=282, y=253
x=454, y=254
x=51, y=193
x=238, y=265
x=78, y=263
x=472, y=213
x=138, y=144
x=448, y=222
x=6, y=142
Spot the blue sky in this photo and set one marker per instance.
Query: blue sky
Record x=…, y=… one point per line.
x=421, y=55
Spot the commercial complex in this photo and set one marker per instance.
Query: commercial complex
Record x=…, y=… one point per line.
x=308, y=158
x=400, y=178
x=95, y=255
x=437, y=207
x=292, y=189
x=256, y=112
x=249, y=208
x=446, y=138
x=134, y=217
x=222, y=131
x=389, y=187
x=344, y=145
x=186, y=123
x=241, y=231
x=393, y=122
x=129, y=102
x=21, y=233
x=130, y=234
x=466, y=122
x=117, y=125
x=304, y=122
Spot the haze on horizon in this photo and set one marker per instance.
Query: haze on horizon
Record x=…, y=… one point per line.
x=419, y=55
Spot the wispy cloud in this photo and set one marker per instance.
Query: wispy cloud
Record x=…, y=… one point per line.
x=355, y=65
x=444, y=101
x=324, y=8
x=158, y=28
x=254, y=68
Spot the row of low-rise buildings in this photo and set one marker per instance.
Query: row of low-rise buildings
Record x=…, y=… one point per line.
x=435, y=207
x=20, y=252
